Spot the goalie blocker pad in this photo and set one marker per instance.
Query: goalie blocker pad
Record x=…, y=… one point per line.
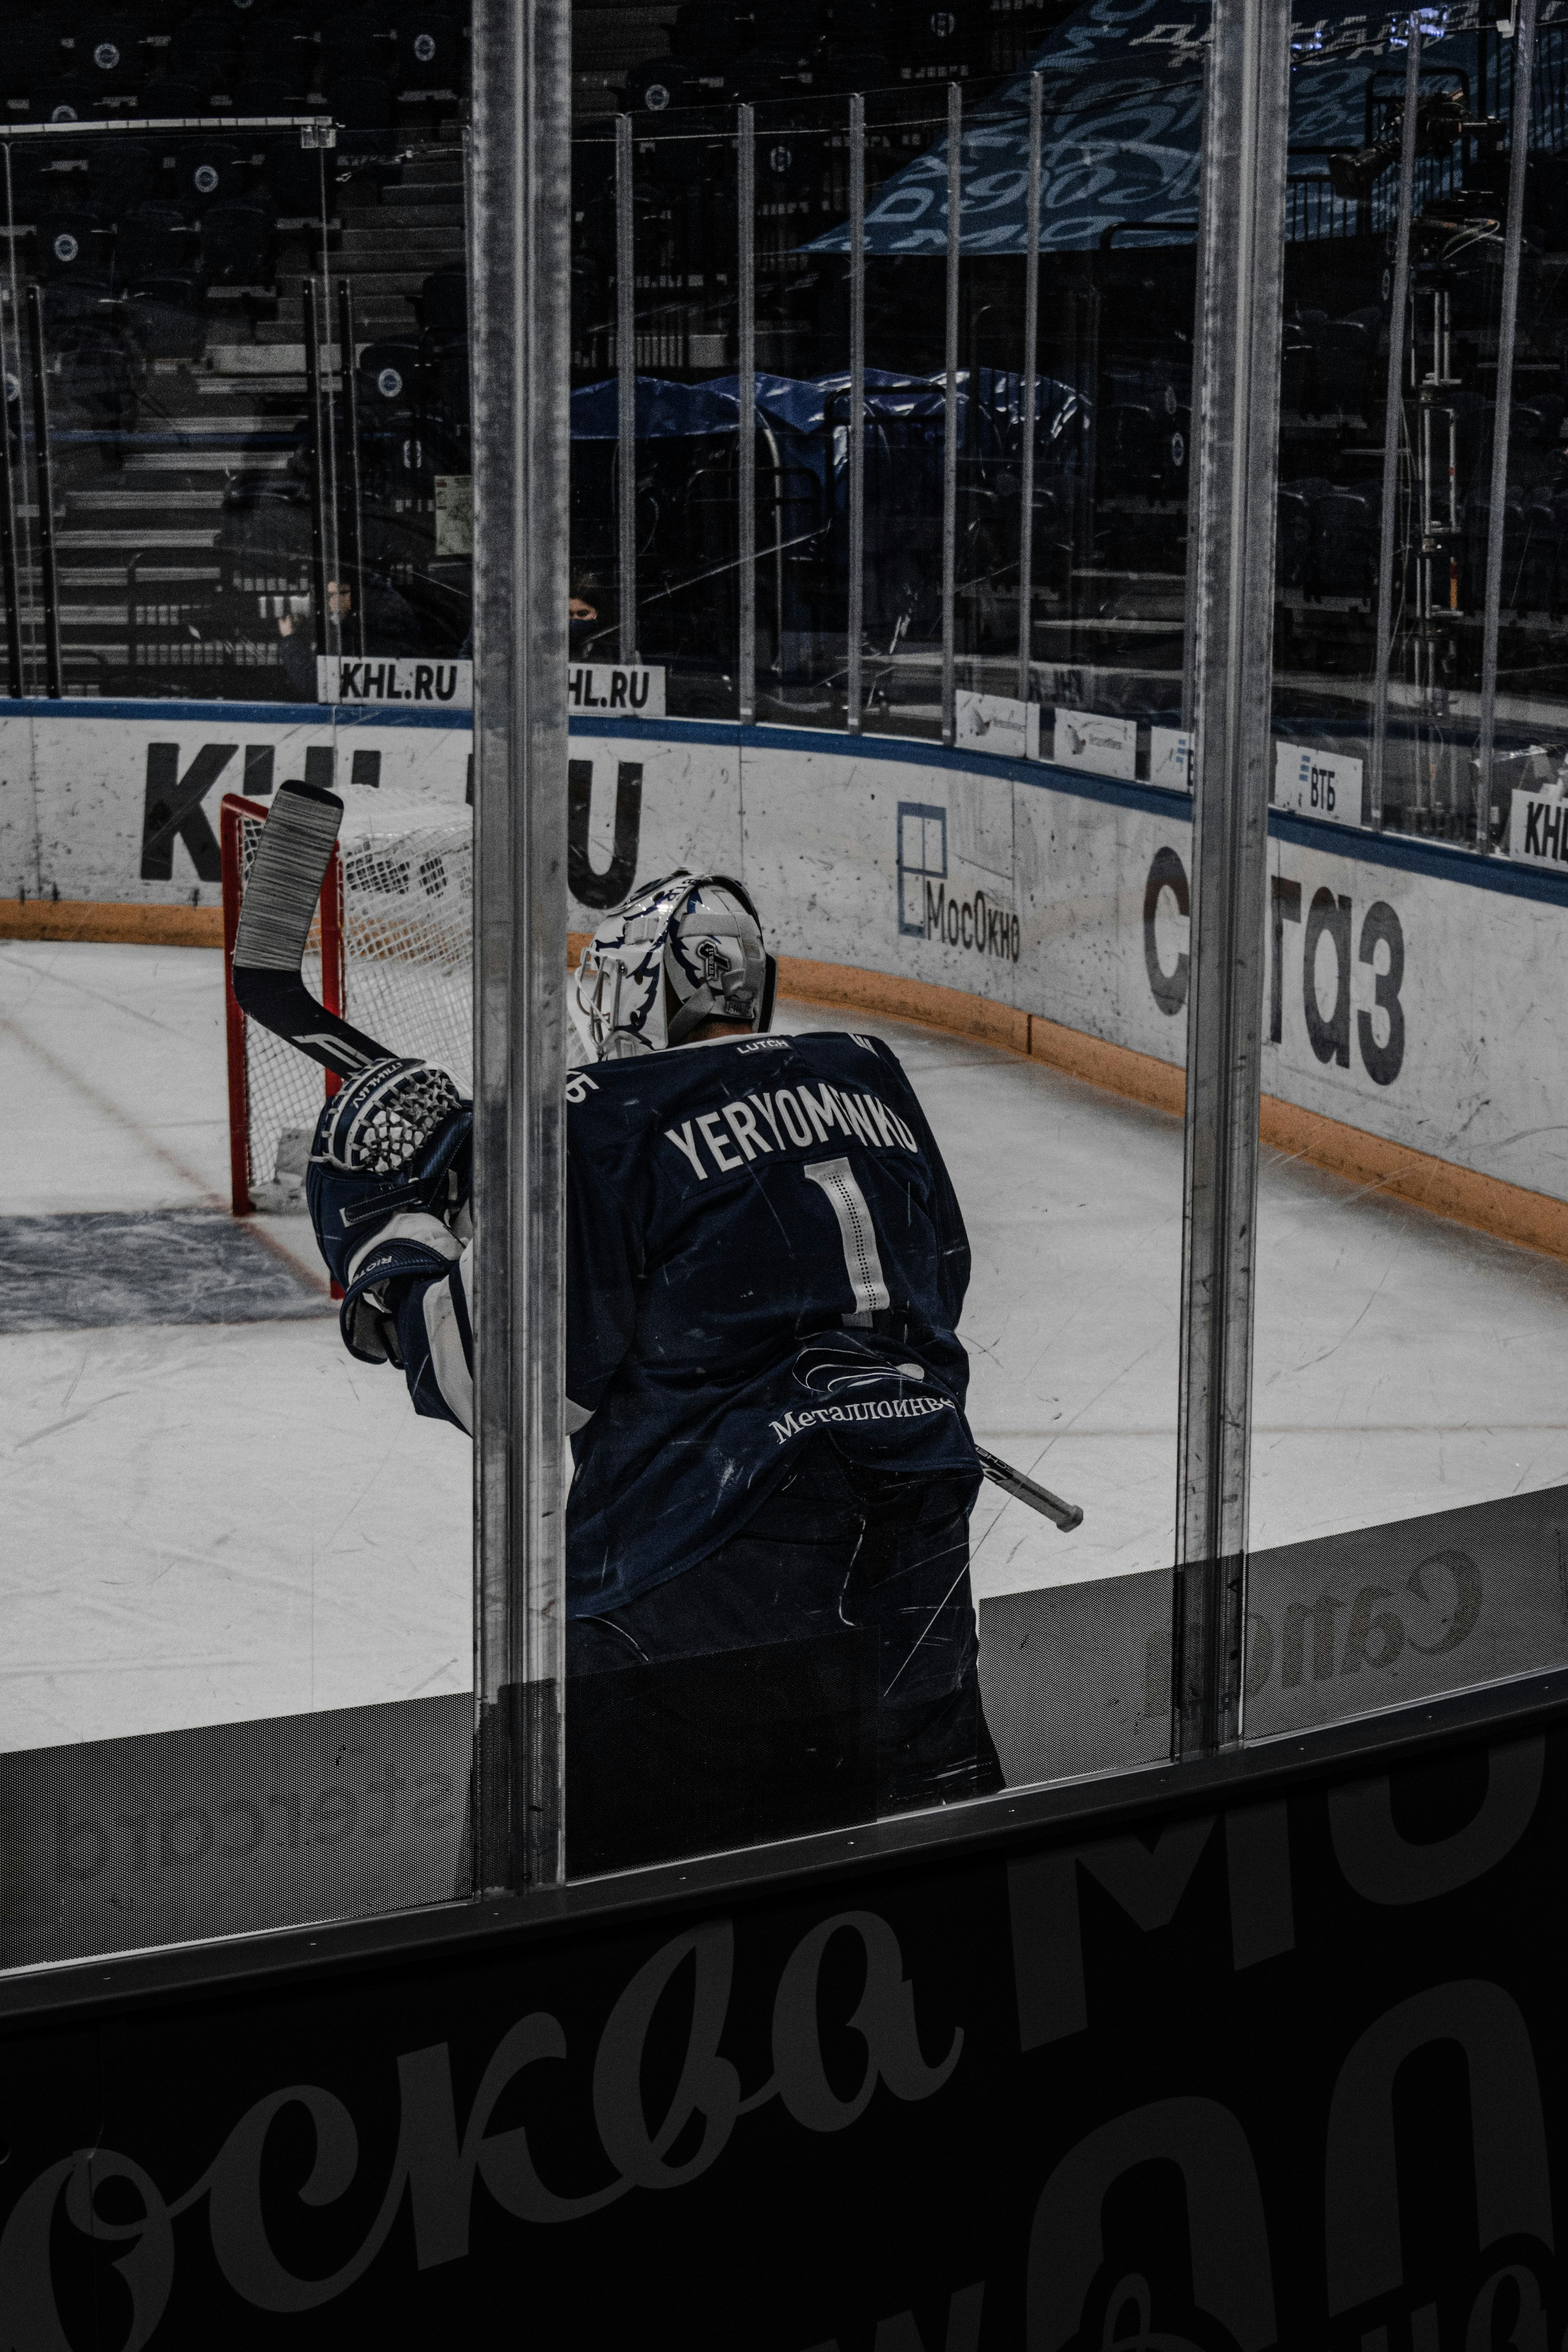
x=413, y=1249
x=436, y=1334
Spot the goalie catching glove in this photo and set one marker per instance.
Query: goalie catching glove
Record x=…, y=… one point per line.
x=388, y=1189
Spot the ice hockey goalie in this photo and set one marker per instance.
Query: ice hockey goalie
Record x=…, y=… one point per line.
x=765, y=1392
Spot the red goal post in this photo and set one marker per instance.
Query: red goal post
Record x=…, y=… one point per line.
x=391, y=950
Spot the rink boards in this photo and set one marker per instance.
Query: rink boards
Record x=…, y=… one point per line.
x=1408, y=998
x=233, y=1828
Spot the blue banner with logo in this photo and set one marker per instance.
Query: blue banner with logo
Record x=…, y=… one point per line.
x=1122, y=128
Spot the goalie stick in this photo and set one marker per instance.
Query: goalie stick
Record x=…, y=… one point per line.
x=1067, y=1516
x=280, y=895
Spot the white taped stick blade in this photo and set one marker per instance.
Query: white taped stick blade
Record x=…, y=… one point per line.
x=284, y=880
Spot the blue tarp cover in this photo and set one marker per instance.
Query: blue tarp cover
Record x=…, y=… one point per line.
x=798, y=405
x=1124, y=115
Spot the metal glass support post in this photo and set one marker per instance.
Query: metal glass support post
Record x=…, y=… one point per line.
x=518, y=229
x=353, y=504
x=16, y=473
x=1245, y=124
x=1502, y=415
x=746, y=403
x=318, y=465
x=49, y=571
x=1194, y=469
x=626, y=371
x=9, y=572
x=949, y=433
x=1031, y=393
x=1393, y=423
x=854, y=689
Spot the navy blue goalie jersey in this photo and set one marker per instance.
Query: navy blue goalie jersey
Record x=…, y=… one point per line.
x=762, y=1245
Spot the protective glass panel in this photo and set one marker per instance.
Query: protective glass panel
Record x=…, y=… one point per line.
x=943, y=482
x=935, y=1204
x=1408, y=1460
x=235, y=557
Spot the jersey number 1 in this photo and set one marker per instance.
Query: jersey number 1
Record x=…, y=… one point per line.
x=859, y=1235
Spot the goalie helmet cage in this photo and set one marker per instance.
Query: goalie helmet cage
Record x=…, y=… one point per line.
x=390, y=948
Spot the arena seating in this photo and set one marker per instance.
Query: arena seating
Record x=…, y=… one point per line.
x=121, y=173
x=240, y=243
x=1346, y=526
x=442, y=308
x=387, y=381
x=74, y=242
x=264, y=530
x=936, y=42
x=154, y=251
x=107, y=53
x=444, y=377
x=386, y=387
x=160, y=277
x=30, y=57
x=96, y=369
x=352, y=46
x=362, y=105
x=296, y=177
x=852, y=62
x=267, y=94
x=721, y=51
x=1533, y=577
x=206, y=50
x=169, y=98
x=278, y=47
x=789, y=168
x=210, y=171
x=717, y=29
x=781, y=69
x=442, y=303
x=429, y=50
x=167, y=315
x=155, y=20
x=67, y=97
x=660, y=83
x=1345, y=351
x=155, y=239
x=1293, y=536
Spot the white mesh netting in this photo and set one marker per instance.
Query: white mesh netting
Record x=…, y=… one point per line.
x=408, y=905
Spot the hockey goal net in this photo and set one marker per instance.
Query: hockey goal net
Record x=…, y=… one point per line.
x=391, y=948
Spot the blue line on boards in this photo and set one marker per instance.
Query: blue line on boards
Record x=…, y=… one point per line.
x=1442, y=859
x=238, y=714
x=908, y=751
x=1445, y=861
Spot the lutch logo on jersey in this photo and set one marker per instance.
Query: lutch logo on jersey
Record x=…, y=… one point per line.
x=795, y=1118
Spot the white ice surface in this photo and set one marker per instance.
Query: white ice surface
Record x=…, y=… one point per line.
x=202, y=1524
x=198, y=1524
x=111, y=1069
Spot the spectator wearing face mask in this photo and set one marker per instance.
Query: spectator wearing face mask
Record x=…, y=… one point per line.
x=588, y=634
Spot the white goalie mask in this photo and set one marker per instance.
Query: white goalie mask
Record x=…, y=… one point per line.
x=697, y=932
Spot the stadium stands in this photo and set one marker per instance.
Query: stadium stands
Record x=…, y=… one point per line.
x=170, y=266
